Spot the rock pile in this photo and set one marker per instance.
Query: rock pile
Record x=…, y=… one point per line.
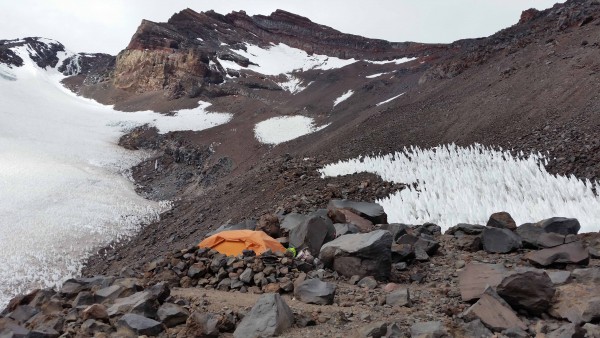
x=523, y=281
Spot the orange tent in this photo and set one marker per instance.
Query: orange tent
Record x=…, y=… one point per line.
x=233, y=242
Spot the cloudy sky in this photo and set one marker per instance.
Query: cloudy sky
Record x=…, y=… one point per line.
x=107, y=25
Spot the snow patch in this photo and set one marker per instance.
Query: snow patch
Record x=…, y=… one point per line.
x=343, y=97
x=466, y=185
x=377, y=75
x=395, y=61
x=284, y=128
x=389, y=100
x=293, y=85
x=283, y=59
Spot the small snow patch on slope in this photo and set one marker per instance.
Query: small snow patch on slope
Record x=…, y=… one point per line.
x=389, y=100
x=293, y=85
x=396, y=61
x=343, y=97
x=284, y=128
x=376, y=75
x=466, y=185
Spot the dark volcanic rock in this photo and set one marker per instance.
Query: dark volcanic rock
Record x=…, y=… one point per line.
x=433, y=329
x=497, y=240
x=314, y=291
x=502, y=220
x=371, y=211
x=140, y=324
x=398, y=297
x=312, y=233
x=560, y=225
x=269, y=224
x=270, y=316
x=360, y=254
x=531, y=290
x=572, y=253
x=529, y=234
x=463, y=228
x=494, y=312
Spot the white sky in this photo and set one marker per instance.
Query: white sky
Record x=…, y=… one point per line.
x=107, y=25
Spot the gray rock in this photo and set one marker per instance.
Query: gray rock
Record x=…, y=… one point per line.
x=84, y=299
x=140, y=325
x=559, y=277
x=560, y=225
x=23, y=313
x=360, y=254
x=91, y=326
x=515, y=332
x=109, y=293
x=345, y=229
x=586, y=276
x=531, y=291
x=312, y=233
x=172, y=314
x=159, y=291
x=197, y=270
x=373, y=330
x=142, y=303
x=568, y=331
x=502, y=220
x=247, y=276
x=550, y=240
x=398, y=297
x=396, y=229
x=314, y=291
x=496, y=240
x=476, y=329
x=371, y=211
x=367, y=282
x=578, y=303
x=572, y=253
x=494, y=312
x=270, y=316
x=465, y=229
x=529, y=234
x=432, y=329
x=202, y=325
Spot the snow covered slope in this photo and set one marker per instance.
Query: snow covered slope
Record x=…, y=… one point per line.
x=64, y=189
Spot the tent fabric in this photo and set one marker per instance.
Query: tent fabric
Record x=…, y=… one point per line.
x=233, y=242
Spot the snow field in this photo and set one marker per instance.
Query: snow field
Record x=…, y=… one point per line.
x=64, y=186
x=466, y=185
x=284, y=128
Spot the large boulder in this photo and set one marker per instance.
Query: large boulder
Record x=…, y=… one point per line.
x=270, y=316
x=498, y=240
x=396, y=229
x=572, y=253
x=362, y=224
x=494, y=312
x=314, y=291
x=560, y=225
x=578, y=303
x=502, y=220
x=371, y=211
x=529, y=233
x=140, y=325
x=360, y=254
x=530, y=290
x=312, y=233
x=292, y=220
x=476, y=277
